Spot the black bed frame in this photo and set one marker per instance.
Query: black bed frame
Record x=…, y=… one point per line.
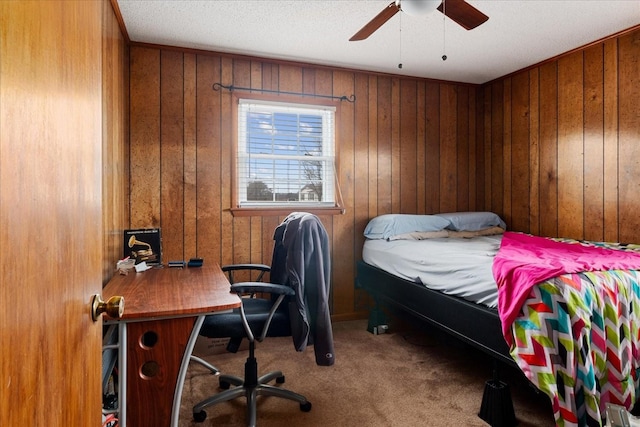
x=472, y=323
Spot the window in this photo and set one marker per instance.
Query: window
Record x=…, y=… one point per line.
x=285, y=155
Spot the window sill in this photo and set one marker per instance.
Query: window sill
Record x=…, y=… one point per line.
x=282, y=211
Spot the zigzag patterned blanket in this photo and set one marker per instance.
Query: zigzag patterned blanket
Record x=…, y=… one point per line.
x=576, y=337
x=577, y=340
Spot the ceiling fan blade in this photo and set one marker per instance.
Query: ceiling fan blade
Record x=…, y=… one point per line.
x=377, y=22
x=462, y=13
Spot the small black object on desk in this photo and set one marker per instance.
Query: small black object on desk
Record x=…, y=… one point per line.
x=195, y=262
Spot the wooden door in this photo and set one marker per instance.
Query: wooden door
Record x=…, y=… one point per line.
x=50, y=212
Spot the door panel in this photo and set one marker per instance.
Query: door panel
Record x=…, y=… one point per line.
x=50, y=212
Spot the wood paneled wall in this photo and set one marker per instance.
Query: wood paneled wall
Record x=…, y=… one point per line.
x=115, y=139
x=562, y=144
x=405, y=146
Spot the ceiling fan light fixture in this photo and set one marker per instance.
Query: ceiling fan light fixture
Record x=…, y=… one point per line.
x=418, y=7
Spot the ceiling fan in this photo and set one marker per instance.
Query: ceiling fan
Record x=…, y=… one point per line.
x=458, y=11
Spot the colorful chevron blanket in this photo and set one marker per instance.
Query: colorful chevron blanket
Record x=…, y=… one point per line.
x=574, y=333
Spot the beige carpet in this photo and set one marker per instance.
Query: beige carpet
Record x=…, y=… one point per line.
x=401, y=378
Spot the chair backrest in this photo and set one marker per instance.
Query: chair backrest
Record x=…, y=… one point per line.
x=301, y=261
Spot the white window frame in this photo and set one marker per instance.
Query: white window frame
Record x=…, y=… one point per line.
x=244, y=156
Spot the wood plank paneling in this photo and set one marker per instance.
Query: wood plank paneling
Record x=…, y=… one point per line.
x=361, y=160
x=520, y=147
x=208, y=171
x=241, y=246
x=462, y=148
x=570, y=146
x=628, y=132
x=610, y=140
x=496, y=130
x=534, y=152
x=548, y=141
x=190, y=160
x=448, y=149
x=384, y=108
x=432, y=148
x=225, y=161
x=172, y=154
x=584, y=114
x=144, y=192
x=472, y=150
x=372, y=146
x=421, y=126
x=408, y=147
x=507, y=164
x=396, y=143
x=486, y=177
x=343, y=232
x=593, y=143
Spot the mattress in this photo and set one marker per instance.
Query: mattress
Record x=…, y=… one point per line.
x=459, y=267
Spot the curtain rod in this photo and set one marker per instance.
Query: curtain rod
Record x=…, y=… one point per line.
x=231, y=88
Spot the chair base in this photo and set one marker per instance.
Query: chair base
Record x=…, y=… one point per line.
x=206, y=364
x=250, y=387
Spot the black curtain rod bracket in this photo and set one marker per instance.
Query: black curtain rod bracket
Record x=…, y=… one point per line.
x=231, y=88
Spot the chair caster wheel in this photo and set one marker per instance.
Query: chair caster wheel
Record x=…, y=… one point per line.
x=224, y=385
x=200, y=416
x=280, y=380
x=304, y=407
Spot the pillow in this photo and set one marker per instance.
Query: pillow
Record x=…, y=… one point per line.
x=472, y=221
x=385, y=226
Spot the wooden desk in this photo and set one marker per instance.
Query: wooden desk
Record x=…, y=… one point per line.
x=163, y=311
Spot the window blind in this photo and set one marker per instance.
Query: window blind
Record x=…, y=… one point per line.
x=286, y=154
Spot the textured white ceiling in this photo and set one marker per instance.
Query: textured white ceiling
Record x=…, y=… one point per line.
x=519, y=33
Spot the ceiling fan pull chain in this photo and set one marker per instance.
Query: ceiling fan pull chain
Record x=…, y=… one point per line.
x=400, y=62
x=444, y=31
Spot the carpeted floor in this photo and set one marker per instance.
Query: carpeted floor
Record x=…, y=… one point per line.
x=400, y=378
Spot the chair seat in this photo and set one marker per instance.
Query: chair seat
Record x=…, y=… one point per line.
x=226, y=325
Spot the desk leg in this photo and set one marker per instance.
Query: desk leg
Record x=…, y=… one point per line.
x=122, y=374
x=186, y=357
x=155, y=355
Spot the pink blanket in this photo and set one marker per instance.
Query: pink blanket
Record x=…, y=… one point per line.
x=524, y=261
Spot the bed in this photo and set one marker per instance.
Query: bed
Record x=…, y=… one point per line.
x=570, y=324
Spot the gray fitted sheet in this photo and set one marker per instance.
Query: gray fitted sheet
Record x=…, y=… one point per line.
x=460, y=267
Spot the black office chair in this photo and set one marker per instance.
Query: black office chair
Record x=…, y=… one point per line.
x=298, y=307
x=234, y=343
